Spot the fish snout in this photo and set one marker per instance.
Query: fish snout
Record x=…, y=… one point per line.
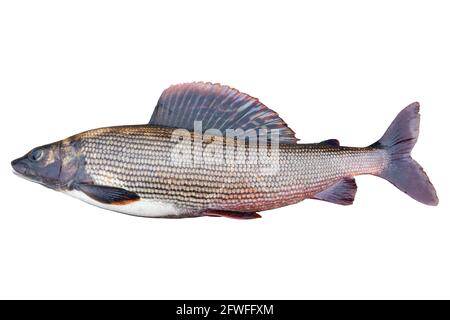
x=20, y=166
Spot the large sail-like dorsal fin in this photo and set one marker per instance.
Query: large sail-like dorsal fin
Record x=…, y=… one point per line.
x=217, y=107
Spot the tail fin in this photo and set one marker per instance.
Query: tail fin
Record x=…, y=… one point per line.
x=403, y=171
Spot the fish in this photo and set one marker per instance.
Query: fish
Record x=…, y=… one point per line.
x=211, y=150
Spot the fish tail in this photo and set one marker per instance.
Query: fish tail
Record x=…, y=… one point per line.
x=402, y=170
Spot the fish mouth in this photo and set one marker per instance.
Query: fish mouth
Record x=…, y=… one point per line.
x=22, y=170
x=20, y=167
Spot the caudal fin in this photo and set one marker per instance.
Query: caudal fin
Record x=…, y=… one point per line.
x=403, y=171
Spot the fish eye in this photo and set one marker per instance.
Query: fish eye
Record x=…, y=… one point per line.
x=36, y=154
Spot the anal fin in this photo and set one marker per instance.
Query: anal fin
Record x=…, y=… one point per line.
x=232, y=214
x=108, y=195
x=343, y=192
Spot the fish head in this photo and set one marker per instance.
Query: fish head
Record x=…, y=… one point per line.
x=53, y=165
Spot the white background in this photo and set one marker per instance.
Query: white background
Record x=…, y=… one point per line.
x=332, y=69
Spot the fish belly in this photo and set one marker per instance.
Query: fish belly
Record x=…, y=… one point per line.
x=142, y=208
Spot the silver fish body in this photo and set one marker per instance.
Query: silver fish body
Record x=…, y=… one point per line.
x=172, y=168
x=137, y=158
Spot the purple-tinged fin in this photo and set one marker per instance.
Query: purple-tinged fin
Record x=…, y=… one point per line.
x=331, y=143
x=402, y=170
x=108, y=195
x=217, y=107
x=343, y=192
x=232, y=214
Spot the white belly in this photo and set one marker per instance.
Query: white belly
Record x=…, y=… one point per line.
x=141, y=208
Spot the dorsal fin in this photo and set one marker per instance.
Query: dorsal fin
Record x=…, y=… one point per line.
x=217, y=107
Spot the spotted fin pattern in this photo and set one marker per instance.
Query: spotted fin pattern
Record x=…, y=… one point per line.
x=218, y=107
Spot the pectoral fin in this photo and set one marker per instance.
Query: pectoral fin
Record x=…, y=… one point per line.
x=232, y=214
x=108, y=195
